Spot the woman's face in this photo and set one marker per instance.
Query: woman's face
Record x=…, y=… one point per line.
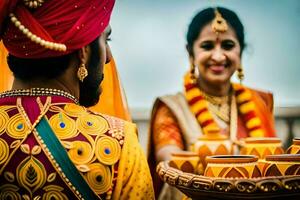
x=216, y=56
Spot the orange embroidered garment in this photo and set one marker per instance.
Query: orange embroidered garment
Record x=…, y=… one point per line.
x=172, y=122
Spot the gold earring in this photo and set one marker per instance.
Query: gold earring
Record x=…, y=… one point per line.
x=193, y=73
x=82, y=72
x=240, y=74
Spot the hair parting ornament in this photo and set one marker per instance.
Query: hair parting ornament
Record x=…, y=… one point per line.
x=219, y=24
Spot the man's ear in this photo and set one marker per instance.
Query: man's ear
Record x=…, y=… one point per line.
x=83, y=55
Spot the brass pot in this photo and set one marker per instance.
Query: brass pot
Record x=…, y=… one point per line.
x=232, y=166
x=281, y=165
x=261, y=147
x=295, y=147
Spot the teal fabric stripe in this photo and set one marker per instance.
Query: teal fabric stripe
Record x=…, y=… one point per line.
x=60, y=155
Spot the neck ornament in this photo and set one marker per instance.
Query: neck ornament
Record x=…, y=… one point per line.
x=198, y=104
x=39, y=92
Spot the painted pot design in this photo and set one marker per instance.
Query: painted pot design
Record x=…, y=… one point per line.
x=281, y=165
x=234, y=166
x=261, y=147
x=295, y=147
x=185, y=161
x=212, y=144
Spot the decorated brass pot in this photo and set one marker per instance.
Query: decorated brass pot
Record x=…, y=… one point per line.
x=261, y=147
x=212, y=144
x=295, y=147
x=185, y=161
x=241, y=166
x=281, y=165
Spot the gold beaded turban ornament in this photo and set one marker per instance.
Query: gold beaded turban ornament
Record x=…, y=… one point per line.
x=50, y=28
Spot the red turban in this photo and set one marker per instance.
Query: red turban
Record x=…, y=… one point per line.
x=74, y=23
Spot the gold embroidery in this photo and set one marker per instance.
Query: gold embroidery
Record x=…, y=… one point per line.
x=36, y=150
x=54, y=192
x=3, y=120
x=74, y=110
x=10, y=177
x=15, y=143
x=107, y=150
x=16, y=127
x=81, y=152
x=83, y=168
x=25, y=148
x=31, y=174
x=92, y=124
x=4, y=151
x=56, y=165
x=51, y=177
x=9, y=191
x=63, y=126
x=99, y=178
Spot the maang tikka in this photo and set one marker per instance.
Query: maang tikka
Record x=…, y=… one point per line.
x=219, y=24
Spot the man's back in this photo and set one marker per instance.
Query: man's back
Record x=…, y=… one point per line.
x=103, y=149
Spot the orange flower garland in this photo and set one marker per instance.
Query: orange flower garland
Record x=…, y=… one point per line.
x=199, y=106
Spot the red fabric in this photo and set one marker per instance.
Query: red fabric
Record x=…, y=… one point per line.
x=74, y=23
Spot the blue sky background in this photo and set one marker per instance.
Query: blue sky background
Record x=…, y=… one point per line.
x=148, y=43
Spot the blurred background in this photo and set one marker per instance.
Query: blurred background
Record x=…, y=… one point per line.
x=148, y=43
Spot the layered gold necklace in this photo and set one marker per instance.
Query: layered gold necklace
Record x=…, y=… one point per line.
x=198, y=103
x=219, y=106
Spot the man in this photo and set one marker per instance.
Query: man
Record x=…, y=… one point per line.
x=51, y=146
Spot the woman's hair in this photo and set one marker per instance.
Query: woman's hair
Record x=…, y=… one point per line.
x=206, y=16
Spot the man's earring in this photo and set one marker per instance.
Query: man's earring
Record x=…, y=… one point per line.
x=82, y=72
x=240, y=74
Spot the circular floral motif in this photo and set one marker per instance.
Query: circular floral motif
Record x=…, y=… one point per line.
x=81, y=152
x=4, y=151
x=9, y=191
x=107, y=150
x=99, y=178
x=16, y=127
x=3, y=120
x=92, y=124
x=63, y=126
x=74, y=110
x=54, y=192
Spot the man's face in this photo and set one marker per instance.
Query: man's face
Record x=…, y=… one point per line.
x=99, y=55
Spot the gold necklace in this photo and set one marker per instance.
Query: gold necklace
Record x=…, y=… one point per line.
x=219, y=105
x=39, y=92
x=245, y=106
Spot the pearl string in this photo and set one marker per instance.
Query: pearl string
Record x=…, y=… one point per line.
x=36, y=39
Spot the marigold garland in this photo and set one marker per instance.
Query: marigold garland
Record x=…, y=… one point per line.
x=199, y=107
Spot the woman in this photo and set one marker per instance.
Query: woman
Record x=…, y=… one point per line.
x=211, y=102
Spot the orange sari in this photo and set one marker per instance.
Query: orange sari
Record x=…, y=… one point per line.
x=172, y=123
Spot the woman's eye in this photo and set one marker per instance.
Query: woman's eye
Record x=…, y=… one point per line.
x=228, y=45
x=207, y=45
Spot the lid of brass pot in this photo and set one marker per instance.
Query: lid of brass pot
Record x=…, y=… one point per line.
x=213, y=135
x=296, y=141
x=231, y=159
x=261, y=140
x=284, y=158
